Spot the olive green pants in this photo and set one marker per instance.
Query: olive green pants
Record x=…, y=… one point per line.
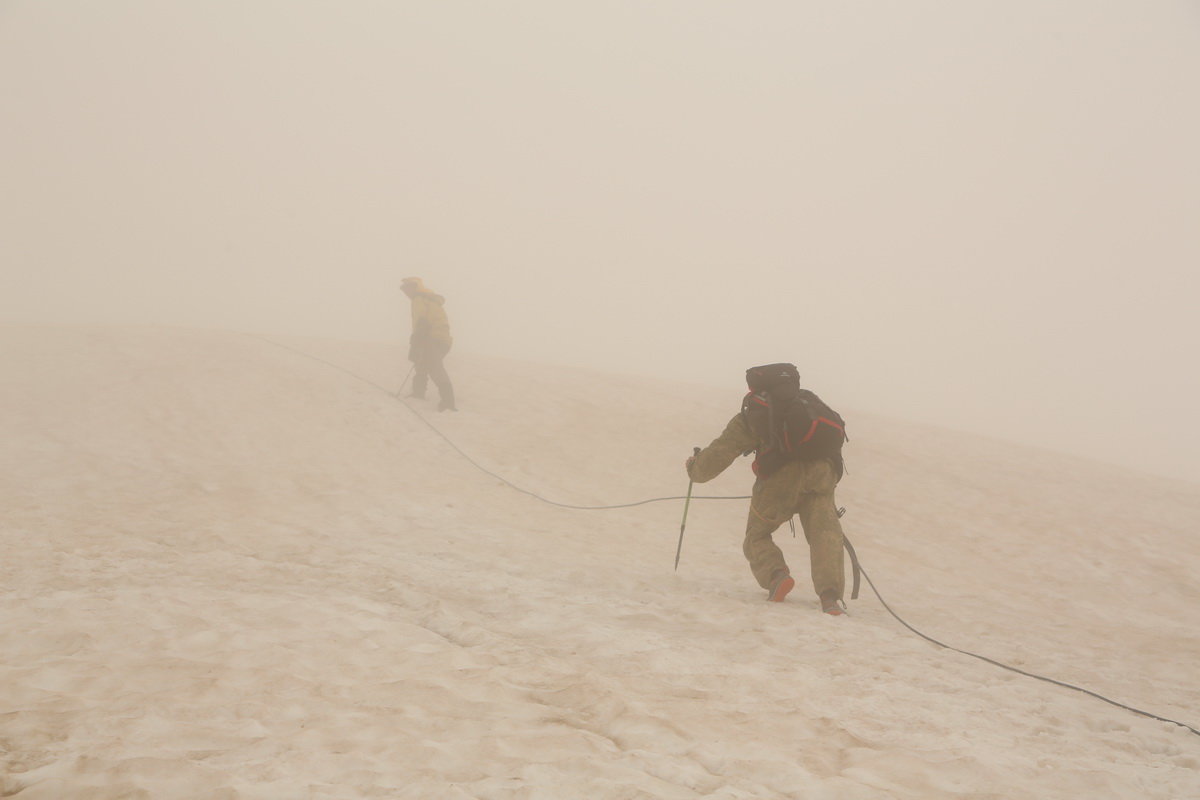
x=804, y=488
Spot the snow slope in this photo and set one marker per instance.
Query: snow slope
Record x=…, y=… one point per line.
x=237, y=568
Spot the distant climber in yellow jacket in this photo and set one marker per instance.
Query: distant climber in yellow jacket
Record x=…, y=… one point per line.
x=430, y=342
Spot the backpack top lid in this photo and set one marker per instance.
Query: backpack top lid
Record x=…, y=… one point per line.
x=772, y=376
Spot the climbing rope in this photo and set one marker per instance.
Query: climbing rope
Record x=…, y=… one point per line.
x=475, y=463
x=1015, y=669
x=857, y=565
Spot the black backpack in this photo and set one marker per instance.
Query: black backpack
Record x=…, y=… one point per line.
x=793, y=423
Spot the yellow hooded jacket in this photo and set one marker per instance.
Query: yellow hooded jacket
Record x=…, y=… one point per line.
x=430, y=325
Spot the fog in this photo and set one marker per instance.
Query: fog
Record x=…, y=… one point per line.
x=981, y=215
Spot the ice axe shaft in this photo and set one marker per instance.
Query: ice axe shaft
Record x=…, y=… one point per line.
x=683, y=523
x=405, y=381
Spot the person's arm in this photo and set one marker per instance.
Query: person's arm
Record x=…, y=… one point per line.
x=420, y=319
x=712, y=460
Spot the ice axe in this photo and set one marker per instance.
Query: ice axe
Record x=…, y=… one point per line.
x=683, y=523
x=406, y=377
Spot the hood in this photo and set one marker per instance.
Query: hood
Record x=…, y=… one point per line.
x=419, y=288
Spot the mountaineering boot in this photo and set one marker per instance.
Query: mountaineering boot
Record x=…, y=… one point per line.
x=830, y=604
x=780, y=586
x=446, y=405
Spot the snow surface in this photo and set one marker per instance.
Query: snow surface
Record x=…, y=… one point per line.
x=231, y=570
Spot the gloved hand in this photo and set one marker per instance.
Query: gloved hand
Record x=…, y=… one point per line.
x=687, y=465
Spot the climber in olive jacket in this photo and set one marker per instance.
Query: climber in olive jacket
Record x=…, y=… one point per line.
x=804, y=487
x=430, y=342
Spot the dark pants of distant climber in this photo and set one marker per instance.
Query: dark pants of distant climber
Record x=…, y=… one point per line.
x=427, y=363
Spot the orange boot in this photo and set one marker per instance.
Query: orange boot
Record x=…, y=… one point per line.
x=780, y=586
x=831, y=605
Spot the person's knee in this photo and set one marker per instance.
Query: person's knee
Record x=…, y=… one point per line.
x=754, y=540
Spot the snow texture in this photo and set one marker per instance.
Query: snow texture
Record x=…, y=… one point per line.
x=236, y=567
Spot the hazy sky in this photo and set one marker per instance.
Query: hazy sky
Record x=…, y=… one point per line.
x=984, y=214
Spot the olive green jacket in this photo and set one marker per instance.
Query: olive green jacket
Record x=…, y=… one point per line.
x=736, y=440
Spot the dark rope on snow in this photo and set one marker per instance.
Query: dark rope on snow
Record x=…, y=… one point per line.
x=475, y=463
x=993, y=662
x=857, y=565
